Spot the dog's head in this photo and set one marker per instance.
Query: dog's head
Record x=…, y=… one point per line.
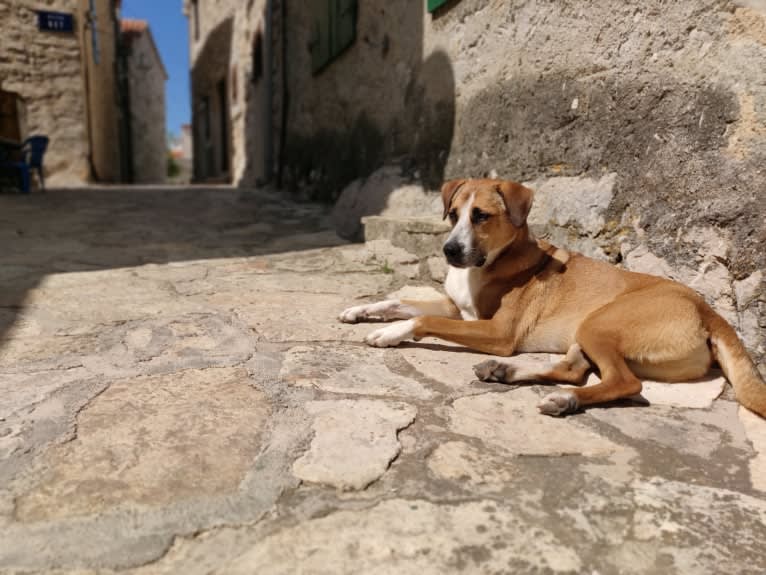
x=486, y=216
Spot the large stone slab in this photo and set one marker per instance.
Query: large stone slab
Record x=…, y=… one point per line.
x=354, y=441
x=511, y=422
x=459, y=461
x=344, y=369
x=286, y=317
x=411, y=536
x=693, y=432
x=151, y=441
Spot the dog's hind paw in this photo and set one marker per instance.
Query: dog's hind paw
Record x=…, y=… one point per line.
x=559, y=403
x=490, y=370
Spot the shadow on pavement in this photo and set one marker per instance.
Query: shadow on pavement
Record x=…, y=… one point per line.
x=90, y=229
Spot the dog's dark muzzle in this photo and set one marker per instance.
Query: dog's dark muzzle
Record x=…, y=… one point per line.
x=456, y=257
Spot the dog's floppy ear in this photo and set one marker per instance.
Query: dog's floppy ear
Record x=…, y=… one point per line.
x=449, y=189
x=517, y=200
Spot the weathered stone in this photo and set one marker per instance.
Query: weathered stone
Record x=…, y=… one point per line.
x=572, y=201
x=437, y=268
x=391, y=258
x=458, y=461
x=354, y=441
x=411, y=536
x=755, y=429
x=423, y=236
x=511, y=422
x=749, y=290
x=386, y=193
x=136, y=444
x=347, y=370
x=683, y=431
x=285, y=317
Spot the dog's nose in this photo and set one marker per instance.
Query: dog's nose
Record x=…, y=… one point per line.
x=452, y=250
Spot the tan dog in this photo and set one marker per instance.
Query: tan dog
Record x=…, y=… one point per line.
x=509, y=292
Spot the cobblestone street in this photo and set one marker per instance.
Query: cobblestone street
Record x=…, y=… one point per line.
x=177, y=395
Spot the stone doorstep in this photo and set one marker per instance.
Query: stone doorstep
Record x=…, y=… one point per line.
x=421, y=236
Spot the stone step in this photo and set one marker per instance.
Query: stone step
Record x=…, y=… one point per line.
x=422, y=236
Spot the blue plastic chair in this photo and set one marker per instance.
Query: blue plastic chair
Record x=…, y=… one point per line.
x=32, y=153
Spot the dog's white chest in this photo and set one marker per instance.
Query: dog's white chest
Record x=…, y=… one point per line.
x=461, y=286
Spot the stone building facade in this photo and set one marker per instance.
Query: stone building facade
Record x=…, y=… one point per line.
x=68, y=85
x=145, y=103
x=233, y=106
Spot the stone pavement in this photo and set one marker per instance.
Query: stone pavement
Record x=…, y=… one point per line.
x=177, y=396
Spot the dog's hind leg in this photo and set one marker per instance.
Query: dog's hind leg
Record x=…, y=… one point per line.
x=393, y=309
x=570, y=370
x=617, y=381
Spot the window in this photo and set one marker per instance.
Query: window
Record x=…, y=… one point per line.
x=334, y=30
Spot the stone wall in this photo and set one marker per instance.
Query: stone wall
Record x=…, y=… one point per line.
x=381, y=98
x=641, y=125
x=103, y=100
x=224, y=51
x=44, y=68
x=146, y=77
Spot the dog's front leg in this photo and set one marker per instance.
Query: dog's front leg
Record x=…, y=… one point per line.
x=392, y=309
x=489, y=335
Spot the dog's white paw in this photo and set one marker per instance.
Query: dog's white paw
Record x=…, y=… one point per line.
x=559, y=402
x=391, y=335
x=490, y=370
x=354, y=314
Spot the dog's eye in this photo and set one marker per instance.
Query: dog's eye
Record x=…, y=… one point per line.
x=453, y=216
x=477, y=216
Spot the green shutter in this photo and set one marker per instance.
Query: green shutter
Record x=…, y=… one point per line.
x=334, y=30
x=345, y=30
x=434, y=4
x=321, y=49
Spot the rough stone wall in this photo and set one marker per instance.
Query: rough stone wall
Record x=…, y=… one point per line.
x=44, y=68
x=379, y=99
x=147, y=111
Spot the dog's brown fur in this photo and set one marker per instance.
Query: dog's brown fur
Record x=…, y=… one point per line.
x=530, y=296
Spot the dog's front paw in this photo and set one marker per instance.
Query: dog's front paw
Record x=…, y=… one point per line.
x=354, y=314
x=391, y=335
x=559, y=402
x=490, y=370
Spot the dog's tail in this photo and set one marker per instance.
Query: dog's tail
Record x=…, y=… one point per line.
x=735, y=362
